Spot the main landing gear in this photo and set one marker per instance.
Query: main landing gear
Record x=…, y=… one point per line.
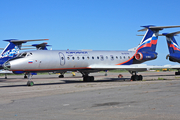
x=62, y=75
x=136, y=77
x=87, y=78
x=5, y=76
x=30, y=83
x=177, y=73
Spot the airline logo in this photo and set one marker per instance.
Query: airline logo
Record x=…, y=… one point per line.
x=149, y=42
x=10, y=53
x=174, y=46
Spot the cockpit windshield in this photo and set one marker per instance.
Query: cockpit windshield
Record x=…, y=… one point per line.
x=24, y=54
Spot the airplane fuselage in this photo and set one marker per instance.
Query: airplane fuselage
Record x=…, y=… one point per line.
x=69, y=60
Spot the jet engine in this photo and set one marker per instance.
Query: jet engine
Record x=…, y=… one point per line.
x=145, y=56
x=173, y=57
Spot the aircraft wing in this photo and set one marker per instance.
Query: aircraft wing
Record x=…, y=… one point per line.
x=135, y=67
x=5, y=72
x=173, y=66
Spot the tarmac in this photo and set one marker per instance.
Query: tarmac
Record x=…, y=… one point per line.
x=157, y=97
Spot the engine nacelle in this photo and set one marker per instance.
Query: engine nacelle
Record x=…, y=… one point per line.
x=174, y=57
x=145, y=56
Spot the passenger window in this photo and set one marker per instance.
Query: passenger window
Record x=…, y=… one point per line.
x=83, y=58
x=78, y=58
x=120, y=57
x=88, y=58
x=129, y=57
x=97, y=57
x=92, y=57
x=101, y=57
x=116, y=57
x=106, y=57
x=124, y=57
x=112, y=58
x=68, y=58
x=73, y=58
x=62, y=58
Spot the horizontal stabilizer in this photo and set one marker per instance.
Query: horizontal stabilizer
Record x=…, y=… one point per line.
x=41, y=46
x=27, y=48
x=23, y=41
x=171, y=34
x=157, y=27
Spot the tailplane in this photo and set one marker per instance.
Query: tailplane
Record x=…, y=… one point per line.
x=171, y=42
x=174, y=49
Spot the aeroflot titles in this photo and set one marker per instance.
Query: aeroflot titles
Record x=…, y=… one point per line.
x=85, y=52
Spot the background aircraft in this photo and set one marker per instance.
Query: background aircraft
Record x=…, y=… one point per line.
x=90, y=61
x=12, y=50
x=174, y=50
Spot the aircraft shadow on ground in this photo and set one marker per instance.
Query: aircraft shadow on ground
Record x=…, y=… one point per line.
x=69, y=82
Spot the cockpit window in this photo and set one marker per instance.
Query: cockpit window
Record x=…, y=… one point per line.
x=25, y=54
x=29, y=54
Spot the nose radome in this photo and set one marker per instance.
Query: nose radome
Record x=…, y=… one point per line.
x=6, y=66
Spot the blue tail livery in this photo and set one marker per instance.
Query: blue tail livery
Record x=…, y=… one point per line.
x=146, y=50
x=174, y=49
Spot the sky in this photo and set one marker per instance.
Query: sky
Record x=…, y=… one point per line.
x=88, y=24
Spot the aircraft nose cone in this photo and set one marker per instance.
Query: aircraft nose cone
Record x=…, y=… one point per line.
x=6, y=66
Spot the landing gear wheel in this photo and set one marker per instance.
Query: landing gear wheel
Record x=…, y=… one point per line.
x=88, y=79
x=25, y=76
x=177, y=73
x=134, y=77
x=91, y=78
x=140, y=77
x=30, y=83
x=61, y=76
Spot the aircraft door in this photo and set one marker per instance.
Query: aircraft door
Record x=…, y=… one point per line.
x=62, y=58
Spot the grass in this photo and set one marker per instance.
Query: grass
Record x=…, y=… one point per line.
x=161, y=78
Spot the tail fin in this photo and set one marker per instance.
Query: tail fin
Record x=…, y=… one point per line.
x=149, y=41
x=11, y=50
x=171, y=42
x=42, y=46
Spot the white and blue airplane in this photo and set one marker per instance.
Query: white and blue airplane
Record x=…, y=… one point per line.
x=87, y=62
